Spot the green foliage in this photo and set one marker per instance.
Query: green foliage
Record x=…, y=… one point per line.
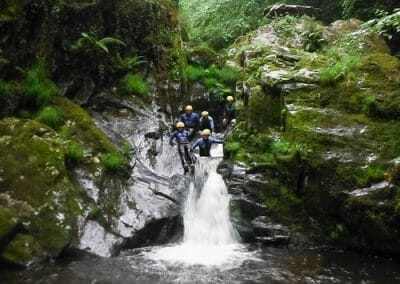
x=126, y=149
x=132, y=62
x=195, y=73
x=344, y=68
x=226, y=74
x=219, y=23
x=386, y=26
x=74, y=154
x=113, y=162
x=232, y=147
x=281, y=147
x=313, y=36
x=336, y=232
x=136, y=84
x=284, y=26
x=49, y=116
x=94, y=213
x=369, y=175
x=366, y=9
x=88, y=42
x=38, y=87
x=217, y=80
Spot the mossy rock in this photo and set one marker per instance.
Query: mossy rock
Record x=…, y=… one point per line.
x=10, y=10
x=80, y=127
x=381, y=62
x=23, y=250
x=265, y=109
x=32, y=170
x=203, y=56
x=8, y=222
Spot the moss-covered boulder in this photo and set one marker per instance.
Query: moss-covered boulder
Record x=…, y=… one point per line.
x=339, y=133
x=32, y=171
x=23, y=250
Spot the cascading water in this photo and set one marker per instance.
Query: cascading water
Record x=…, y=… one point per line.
x=209, y=237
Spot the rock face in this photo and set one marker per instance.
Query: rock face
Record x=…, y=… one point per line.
x=321, y=140
x=65, y=184
x=252, y=219
x=87, y=45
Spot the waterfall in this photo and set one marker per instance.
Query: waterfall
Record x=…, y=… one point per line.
x=206, y=216
x=209, y=237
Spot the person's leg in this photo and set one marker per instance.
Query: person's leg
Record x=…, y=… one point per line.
x=181, y=156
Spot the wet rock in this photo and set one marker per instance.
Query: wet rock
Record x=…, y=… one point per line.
x=269, y=233
x=8, y=105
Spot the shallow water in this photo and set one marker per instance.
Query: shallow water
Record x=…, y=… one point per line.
x=249, y=265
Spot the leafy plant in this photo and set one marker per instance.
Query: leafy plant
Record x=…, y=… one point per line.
x=232, y=147
x=126, y=148
x=136, y=84
x=344, y=68
x=386, y=26
x=89, y=42
x=49, y=116
x=219, y=23
x=195, y=73
x=38, y=87
x=113, y=162
x=74, y=155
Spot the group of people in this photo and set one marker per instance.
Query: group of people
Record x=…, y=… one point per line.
x=190, y=123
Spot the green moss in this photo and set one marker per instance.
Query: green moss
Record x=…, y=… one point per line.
x=81, y=128
x=136, y=84
x=74, y=155
x=113, y=162
x=22, y=250
x=10, y=10
x=8, y=221
x=33, y=170
x=38, y=87
x=49, y=116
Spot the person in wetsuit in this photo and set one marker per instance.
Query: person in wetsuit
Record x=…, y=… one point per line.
x=191, y=121
x=180, y=137
x=204, y=143
x=206, y=122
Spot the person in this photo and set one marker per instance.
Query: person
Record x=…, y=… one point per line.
x=180, y=137
x=204, y=143
x=229, y=111
x=191, y=121
x=206, y=122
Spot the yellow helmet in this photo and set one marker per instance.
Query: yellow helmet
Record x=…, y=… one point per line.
x=206, y=132
x=229, y=99
x=188, y=108
x=204, y=113
x=180, y=124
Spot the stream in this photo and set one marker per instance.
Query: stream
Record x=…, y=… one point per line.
x=211, y=252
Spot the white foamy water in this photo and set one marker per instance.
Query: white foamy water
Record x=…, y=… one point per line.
x=209, y=238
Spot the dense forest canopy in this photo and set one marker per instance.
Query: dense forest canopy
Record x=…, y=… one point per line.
x=217, y=23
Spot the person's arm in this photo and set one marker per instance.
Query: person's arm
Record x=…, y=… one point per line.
x=172, y=138
x=216, y=141
x=211, y=124
x=196, y=144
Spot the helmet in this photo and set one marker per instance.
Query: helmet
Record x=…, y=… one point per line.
x=229, y=99
x=204, y=113
x=188, y=108
x=180, y=124
x=206, y=132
